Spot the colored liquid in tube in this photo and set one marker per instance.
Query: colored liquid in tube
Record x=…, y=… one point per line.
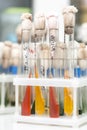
x=69, y=64
x=38, y=105
x=26, y=104
x=39, y=100
x=53, y=104
x=54, y=109
x=33, y=108
x=26, y=39
x=68, y=99
x=79, y=104
x=61, y=101
x=53, y=40
x=84, y=99
x=68, y=102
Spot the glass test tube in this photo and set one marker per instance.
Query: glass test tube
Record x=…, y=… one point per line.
x=39, y=25
x=39, y=91
x=85, y=87
x=53, y=92
x=26, y=103
x=69, y=59
x=44, y=65
x=80, y=72
x=26, y=39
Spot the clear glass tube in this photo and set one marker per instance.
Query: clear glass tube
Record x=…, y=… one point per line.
x=26, y=103
x=40, y=29
x=53, y=41
x=38, y=101
x=53, y=92
x=82, y=64
x=26, y=38
x=43, y=66
x=69, y=63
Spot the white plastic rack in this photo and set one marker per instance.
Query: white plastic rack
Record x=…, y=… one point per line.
x=5, y=78
x=74, y=121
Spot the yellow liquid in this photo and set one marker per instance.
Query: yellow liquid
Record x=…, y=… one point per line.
x=68, y=98
x=68, y=102
x=39, y=100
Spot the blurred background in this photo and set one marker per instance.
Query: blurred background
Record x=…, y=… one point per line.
x=11, y=10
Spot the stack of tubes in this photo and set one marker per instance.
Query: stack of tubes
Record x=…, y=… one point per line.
x=44, y=56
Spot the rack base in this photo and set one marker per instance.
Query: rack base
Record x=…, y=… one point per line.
x=61, y=121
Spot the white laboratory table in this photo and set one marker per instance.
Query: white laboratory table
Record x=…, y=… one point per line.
x=7, y=122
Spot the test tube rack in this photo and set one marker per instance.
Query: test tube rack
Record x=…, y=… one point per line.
x=74, y=121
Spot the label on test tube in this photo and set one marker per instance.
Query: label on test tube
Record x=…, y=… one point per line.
x=52, y=43
x=25, y=58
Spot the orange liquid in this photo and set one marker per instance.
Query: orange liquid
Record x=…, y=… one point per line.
x=26, y=104
x=68, y=98
x=39, y=100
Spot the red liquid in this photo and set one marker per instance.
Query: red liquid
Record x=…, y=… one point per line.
x=25, y=108
x=53, y=104
x=26, y=104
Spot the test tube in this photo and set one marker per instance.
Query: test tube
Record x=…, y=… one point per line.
x=82, y=63
x=53, y=34
x=26, y=39
x=53, y=40
x=39, y=34
x=81, y=73
x=69, y=24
